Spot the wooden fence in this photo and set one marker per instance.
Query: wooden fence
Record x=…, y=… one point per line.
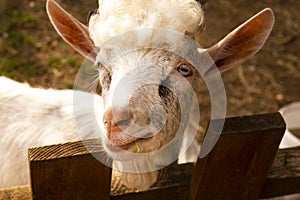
x=244, y=164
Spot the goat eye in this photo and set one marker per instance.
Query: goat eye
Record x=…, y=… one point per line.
x=185, y=70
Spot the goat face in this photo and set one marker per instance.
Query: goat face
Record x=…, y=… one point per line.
x=147, y=90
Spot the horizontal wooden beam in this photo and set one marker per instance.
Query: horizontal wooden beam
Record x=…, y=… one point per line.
x=54, y=168
x=171, y=182
x=174, y=192
x=16, y=193
x=285, y=162
x=283, y=178
x=284, y=175
x=69, y=171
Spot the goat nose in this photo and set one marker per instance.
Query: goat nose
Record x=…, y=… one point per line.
x=116, y=117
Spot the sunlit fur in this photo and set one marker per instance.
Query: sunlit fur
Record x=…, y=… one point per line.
x=32, y=117
x=119, y=16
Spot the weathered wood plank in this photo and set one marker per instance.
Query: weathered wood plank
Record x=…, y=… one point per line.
x=172, y=180
x=286, y=163
x=69, y=171
x=174, y=192
x=281, y=185
x=173, y=183
x=175, y=175
x=284, y=175
x=237, y=166
x=16, y=193
x=176, y=178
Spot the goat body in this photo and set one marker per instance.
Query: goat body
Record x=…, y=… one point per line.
x=32, y=117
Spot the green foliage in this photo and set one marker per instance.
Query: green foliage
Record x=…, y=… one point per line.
x=16, y=38
x=30, y=49
x=54, y=61
x=24, y=19
x=14, y=68
x=14, y=35
x=73, y=62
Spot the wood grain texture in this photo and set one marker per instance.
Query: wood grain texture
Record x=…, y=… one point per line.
x=69, y=171
x=175, y=192
x=235, y=169
x=286, y=163
x=16, y=193
x=284, y=175
x=237, y=166
x=65, y=150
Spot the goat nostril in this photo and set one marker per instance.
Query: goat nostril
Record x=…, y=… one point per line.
x=116, y=118
x=124, y=122
x=105, y=122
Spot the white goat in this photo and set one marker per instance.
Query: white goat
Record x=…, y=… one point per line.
x=35, y=117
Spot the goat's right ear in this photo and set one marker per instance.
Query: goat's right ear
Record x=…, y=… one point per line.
x=242, y=42
x=71, y=30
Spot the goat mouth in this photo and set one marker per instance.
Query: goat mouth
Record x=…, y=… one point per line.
x=132, y=146
x=119, y=148
x=119, y=141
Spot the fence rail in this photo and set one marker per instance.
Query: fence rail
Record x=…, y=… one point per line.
x=244, y=164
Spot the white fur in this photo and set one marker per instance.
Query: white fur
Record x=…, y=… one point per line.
x=33, y=117
x=290, y=113
x=119, y=16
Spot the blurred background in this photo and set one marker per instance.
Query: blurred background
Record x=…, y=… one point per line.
x=31, y=51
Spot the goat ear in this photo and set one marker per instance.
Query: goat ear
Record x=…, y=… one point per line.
x=242, y=42
x=71, y=30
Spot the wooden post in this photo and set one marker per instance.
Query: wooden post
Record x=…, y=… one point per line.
x=237, y=166
x=69, y=171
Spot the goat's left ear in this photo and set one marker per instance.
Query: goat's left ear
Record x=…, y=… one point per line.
x=243, y=42
x=71, y=30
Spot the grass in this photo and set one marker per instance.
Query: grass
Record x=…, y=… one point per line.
x=73, y=62
x=24, y=19
x=13, y=30
x=14, y=68
x=54, y=61
x=30, y=48
x=16, y=38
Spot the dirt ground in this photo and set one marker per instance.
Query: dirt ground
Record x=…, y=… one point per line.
x=31, y=50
